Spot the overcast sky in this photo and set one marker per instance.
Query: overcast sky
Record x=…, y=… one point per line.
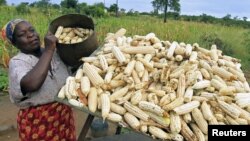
x=217, y=8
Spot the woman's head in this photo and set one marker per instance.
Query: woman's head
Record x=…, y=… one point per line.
x=22, y=34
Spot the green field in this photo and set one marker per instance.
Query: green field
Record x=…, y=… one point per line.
x=234, y=41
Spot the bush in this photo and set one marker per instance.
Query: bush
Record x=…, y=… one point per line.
x=23, y=8
x=210, y=39
x=3, y=80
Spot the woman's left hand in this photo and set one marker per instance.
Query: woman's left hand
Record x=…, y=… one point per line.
x=50, y=41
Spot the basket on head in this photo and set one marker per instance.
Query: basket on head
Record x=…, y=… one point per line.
x=72, y=53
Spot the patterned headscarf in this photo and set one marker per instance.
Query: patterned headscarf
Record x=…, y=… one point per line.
x=8, y=30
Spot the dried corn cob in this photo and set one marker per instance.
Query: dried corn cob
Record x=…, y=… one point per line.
x=158, y=133
x=92, y=99
x=151, y=107
x=103, y=62
x=187, y=118
x=85, y=85
x=92, y=74
x=187, y=133
x=105, y=105
x=139, y=50
x=114, y=117
x=59, y=31
x=223, y=73
x=164, y=121
x=132, y=121
x=117, y=109
x=170, y=51
x=61, y=93
x=136, y=98
x=200, y=121
x=119, y=93
x=186, y=108
x=188, y=94
x=175, y=123
x=136, y=111
x=230, y=110
x=118, y=54
x=181, y=86
x=197, y=132
x=177, y=102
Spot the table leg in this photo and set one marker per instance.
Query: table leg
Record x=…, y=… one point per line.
x=85, y=127
x=118, y=130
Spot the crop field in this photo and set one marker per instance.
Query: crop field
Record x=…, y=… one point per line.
x=234, y=41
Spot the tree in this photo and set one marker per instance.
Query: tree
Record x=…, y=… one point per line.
x=81, y=7
x=245, y=19
x=164, y=5
x=42, y=5
x=2, y=2
x=156, y=5
x=23, y=8
x=69, y=3
x=113, y=8
x=227, y=17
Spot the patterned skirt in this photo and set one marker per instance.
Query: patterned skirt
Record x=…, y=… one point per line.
x=50, y=122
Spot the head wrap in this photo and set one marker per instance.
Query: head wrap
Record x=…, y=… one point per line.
x=8, y=30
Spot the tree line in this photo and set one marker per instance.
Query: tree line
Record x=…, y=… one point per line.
x=166, y=9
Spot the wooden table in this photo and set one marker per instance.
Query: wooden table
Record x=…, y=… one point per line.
x=88, y=121
x=91, y=117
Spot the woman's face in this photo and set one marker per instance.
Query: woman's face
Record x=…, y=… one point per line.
x=26, y=38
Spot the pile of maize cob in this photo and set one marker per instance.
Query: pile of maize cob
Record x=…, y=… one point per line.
x=70, y=35
x=170, y=91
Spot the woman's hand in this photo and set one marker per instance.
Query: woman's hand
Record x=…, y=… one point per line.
x=50, y=41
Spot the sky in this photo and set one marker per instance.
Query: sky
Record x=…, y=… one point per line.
x=217, y=8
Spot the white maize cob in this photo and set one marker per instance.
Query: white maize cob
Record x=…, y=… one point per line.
x=139, y=50
x=187, y=133
x=188, y=94
x=105, y=105
x=136, y=98
x=59, y=31
x=118, y=54
x=223, y=73
x=114, y=117
x=78, y=75
x=177, y=102
x=132, y=121
x=197, y=132
x=186, y=108
x=187, y=118
x=193, y=57
x=92, y=99
x=151, y=107
x=217, y=84
x=117, y=109
x=75, y=103
x=119, y=93
x=61, y=93
x=175, y=123
x=206, y=111
x=200, y=121
x=92, y=74
x=170, y=51
x=158, y=133
x=136, y=111
x=103, y=62
x=130, y=67
x=202, y=84
x=85, y=85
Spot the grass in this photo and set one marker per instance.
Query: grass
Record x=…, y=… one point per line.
x=181, y=31
x=232, y=38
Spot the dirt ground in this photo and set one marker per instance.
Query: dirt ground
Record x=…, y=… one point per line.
x=8, y=113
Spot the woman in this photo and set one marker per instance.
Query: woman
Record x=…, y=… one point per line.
x=35, y=76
